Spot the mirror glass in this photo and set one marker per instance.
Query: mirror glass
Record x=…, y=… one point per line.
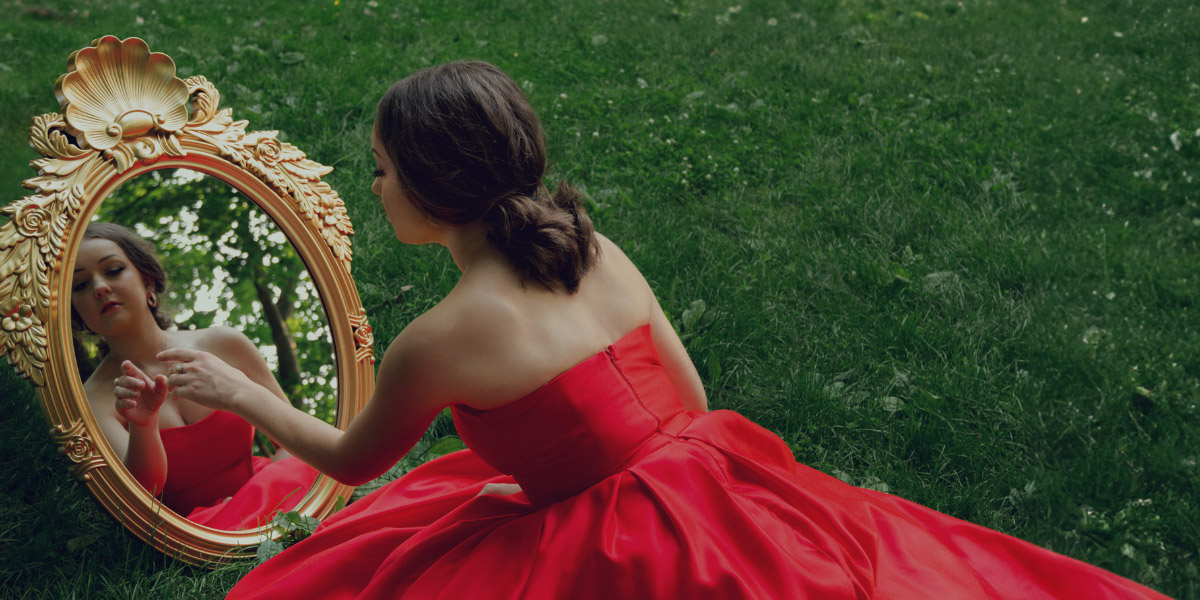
x=227, y=265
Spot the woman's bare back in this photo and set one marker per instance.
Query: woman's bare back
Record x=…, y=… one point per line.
x=510, y=338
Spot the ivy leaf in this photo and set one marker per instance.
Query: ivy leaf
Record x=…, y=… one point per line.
x=444, y=446
x=691, y=316
x=268, y=549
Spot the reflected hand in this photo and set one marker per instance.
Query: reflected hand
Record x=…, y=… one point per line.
x=203, y=378
x=139, y=397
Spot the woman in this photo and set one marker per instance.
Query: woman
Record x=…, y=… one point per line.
x=197, y=459
x=594, y=470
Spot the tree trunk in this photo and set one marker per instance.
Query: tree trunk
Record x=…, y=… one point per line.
x=285, y=346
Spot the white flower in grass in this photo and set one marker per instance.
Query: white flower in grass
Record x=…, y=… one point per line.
x=1175, y=141
x=772, y=22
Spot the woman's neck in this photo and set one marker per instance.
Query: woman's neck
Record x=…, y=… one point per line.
x=139, y=345
x=468, y=245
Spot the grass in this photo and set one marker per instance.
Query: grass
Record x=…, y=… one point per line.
x=943, y=249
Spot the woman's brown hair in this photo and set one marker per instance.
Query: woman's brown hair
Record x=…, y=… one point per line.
x=141, y=254
x=467, y=146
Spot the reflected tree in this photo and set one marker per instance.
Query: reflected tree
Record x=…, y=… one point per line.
x=229, y=264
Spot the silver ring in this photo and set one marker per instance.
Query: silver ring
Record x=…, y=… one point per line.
x=178, y=368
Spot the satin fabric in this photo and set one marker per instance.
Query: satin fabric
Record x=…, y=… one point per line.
x=626, y=495
x=213, y=479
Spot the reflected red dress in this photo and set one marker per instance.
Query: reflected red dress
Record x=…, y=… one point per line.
x=626, y=495
x=214, y=480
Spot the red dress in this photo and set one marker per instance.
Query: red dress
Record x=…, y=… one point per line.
x=626, y=495
x=213, y=480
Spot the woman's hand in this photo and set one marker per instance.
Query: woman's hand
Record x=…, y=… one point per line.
x=139, y=397
x=204, y=378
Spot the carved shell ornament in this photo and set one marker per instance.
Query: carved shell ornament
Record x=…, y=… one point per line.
x=117, y=91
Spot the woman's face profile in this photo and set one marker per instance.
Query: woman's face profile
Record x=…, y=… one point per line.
x=106, y=288
x=410, y=224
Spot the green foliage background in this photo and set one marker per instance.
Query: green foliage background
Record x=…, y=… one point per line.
x=944, y=249
x=204, y=231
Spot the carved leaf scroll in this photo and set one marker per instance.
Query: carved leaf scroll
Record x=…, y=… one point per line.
x=32, y=241
x=280, y=165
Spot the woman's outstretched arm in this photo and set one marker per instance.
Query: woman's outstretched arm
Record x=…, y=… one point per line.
x=403, y=405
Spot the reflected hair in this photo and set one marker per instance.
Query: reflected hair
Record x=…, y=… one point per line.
x=141, y=254
x=467, y=147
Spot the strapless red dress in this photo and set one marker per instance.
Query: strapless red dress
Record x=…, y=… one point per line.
x=214, y=480
x=626, y=495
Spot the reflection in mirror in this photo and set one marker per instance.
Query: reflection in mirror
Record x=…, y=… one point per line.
x=235, y=287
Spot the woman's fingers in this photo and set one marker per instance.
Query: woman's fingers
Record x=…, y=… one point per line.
x=131, y=370
x=183, y=355
x=161, y=384
x=129, y=382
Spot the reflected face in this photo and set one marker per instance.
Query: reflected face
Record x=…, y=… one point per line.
x=411, y=225
x=107, y=290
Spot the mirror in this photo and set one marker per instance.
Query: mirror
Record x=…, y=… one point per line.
x=135, y=145
x=226, y=264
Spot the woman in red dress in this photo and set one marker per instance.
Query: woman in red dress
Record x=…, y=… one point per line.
x=594, y=469
x=196, y=459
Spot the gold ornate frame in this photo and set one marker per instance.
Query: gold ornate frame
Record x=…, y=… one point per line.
x=125, y=113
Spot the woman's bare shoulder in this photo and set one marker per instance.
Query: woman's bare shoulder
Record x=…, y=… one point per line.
x=219, y=340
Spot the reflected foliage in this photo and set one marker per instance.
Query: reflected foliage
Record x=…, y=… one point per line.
x=227, y=263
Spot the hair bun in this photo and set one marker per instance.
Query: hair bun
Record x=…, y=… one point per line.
x=551, y=242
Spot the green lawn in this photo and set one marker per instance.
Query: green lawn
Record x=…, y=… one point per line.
x=944, y=249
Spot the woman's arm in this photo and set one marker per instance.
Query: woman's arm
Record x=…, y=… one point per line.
x=138, y=400
x=405, y=401
x=676, y=362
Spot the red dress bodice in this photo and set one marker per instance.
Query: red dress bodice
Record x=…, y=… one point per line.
x=207, y=461
x=598, y=430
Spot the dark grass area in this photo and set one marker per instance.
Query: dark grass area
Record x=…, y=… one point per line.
x=945, y=250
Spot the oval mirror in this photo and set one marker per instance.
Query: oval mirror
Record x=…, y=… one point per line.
x=253, y=244
x=226, y=265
